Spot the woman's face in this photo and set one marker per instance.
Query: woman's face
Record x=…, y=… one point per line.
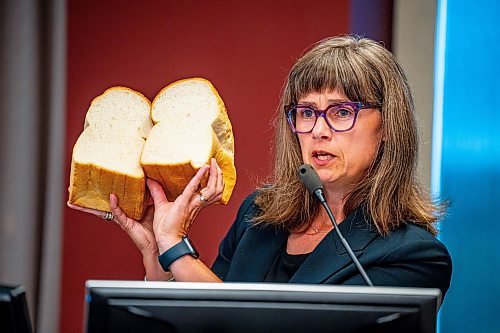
x=340, y=158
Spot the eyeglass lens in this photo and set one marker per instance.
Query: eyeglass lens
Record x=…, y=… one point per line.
x=340, y=117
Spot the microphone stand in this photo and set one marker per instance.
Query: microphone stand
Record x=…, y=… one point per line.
x=319, y=194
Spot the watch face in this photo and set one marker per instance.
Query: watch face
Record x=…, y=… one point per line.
x=191, y=248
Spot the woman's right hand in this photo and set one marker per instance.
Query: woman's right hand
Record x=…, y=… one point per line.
x=140, y=232
x=164, y=223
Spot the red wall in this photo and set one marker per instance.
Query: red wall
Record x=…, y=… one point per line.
x=244, y=47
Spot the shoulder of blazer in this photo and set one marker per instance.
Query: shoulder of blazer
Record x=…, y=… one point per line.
x=412, y=232
x=413, y=243
x=244, y=217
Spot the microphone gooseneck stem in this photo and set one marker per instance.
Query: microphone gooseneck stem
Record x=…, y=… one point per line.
x=309, y=177
x=321, y=197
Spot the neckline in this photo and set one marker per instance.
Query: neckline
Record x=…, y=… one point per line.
x=300, y=255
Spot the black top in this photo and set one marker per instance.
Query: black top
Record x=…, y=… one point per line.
x=284, y=266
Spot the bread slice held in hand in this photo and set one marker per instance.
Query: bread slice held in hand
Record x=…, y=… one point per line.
x=106, y=156
x=191, y=127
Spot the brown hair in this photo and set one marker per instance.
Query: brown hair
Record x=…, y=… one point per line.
x=362, y=70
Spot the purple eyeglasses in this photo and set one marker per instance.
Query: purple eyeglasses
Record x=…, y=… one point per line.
x=340, y=117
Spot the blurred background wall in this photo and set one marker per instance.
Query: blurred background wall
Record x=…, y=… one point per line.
x=245, y=48
x=58, y=55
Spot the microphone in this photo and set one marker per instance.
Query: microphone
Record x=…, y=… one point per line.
x=309, y=177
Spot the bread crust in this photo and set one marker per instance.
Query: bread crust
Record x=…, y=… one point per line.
x=175, y=177
x=91, y=186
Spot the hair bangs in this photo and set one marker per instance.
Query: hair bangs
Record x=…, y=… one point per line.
x=313, y=76
x=337, y=70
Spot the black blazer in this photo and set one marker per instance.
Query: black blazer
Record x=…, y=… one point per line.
x=409, y=256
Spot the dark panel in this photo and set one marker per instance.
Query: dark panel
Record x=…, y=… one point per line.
x=373, y=19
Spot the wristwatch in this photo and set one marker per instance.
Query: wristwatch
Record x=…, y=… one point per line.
x=180, y=249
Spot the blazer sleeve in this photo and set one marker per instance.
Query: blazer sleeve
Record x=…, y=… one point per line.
x=422, y=262
x=230, y=242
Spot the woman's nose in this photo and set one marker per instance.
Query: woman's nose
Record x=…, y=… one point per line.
x=321, y=129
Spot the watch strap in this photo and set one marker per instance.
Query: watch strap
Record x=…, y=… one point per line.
x=180, y=249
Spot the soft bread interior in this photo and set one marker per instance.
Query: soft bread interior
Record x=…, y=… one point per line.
x=121, y=109
x=106, y=156
x=110, y=150
x=191, y=120
x=178, y=145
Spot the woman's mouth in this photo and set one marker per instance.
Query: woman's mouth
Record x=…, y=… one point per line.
x=321, y=157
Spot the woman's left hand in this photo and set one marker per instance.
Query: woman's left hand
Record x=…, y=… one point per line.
x=172, y=220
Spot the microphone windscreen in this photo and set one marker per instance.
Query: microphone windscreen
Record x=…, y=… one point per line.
x=309, y=177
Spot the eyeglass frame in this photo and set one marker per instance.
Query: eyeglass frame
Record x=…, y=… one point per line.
x=357, y=106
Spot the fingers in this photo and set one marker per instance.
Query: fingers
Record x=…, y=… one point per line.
x=194, y=184
x=220, y=182
x=98, y=213
x=191, y=189
x=149, y=200
x=118, y=215
x=215, y=186
x=212, y=180
x=126, y=223
x=157, y=194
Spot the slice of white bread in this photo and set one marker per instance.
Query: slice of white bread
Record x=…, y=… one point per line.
x=106, y=156
x=191, y=127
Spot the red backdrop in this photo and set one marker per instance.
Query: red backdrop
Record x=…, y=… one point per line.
x=244, y=47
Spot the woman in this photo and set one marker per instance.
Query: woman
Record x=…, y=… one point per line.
x=347, y=110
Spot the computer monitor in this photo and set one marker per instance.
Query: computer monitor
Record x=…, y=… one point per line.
x=14, y=315
x=133, y=306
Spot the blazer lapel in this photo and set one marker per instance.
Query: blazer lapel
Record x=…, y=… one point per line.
x=256, y=253
x=330, y=256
